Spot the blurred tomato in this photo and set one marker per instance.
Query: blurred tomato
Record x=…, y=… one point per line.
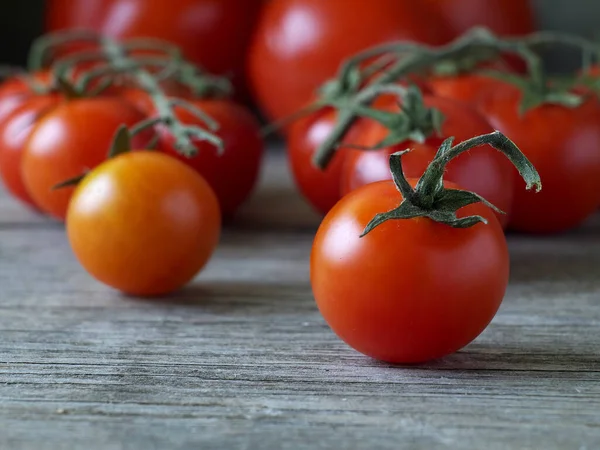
x=16, y=90
x=212, y=33
x=504, y=17
x=299, y=44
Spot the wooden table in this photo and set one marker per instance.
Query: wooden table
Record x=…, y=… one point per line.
x=243, y=360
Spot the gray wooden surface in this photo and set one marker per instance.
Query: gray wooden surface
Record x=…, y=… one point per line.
x=242, y=359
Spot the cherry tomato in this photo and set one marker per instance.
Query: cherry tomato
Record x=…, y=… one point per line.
x=503, y=17
x=487, y=173
x=321, y=188
x=234, y=173
x=467, y=88
x=410, y=290
x=564, y=145
x=16, y=90
x=14, y=132
x=143, y=223
x=299, y=44
x=74, y=137
x=212, y=33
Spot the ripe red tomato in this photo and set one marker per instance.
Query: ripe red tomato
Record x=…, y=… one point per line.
x=212, y=33
x=468, y=88
x=143, y=223
x=485, y=172
x=14, y=132
x=74, y=137
x=321, y=188
x=15, y=91
x=503, y=17
x=234, y=173
x=299, y=44
x=564, y=145
x=410, y=290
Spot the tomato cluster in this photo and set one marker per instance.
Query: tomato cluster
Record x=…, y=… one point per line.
x=415, y=135
x=144, y=222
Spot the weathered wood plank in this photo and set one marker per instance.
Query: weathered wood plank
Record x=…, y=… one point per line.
x=243, y=360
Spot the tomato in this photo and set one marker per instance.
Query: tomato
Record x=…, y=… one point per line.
x=564, y=144
x=143, y=101
x=503, y=17
x=299, y=44
x=212, y=33
x=143, y=223
x=74, y=137
x=321, y=188
x=467, y=88
x=411, y=290
x=14, y=132
x=234, y=173
x=487, y=173
x=16, y=90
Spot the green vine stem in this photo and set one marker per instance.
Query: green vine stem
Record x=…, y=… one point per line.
x=429, y=198
x=350, y=97
x=142, y=63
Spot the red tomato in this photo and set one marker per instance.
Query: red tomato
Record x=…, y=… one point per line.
x=321, y=188
x=503, y=17
x=14, y=132
x=299, y=44
x=564, y=145
x=143, y=223
x=467, y=88
x=74, y=137
x=410, y=290
x=233, y=174
x=485, y=172
x=142, y=100
x=15, y=91
x=212, y=33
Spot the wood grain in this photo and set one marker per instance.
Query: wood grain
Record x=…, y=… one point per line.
x=242, y=359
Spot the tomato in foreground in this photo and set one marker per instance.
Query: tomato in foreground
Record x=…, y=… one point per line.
x=143, y=223
x=67, y=141
x=564, y=144
x=14, y=132
x=299, y=44
x=234, y=173
x=487, y=173
x=426, y=277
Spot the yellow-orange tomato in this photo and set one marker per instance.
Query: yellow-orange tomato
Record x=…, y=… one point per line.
x=143, y=223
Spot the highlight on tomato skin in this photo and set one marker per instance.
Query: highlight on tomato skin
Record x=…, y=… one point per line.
x=390, y=295
x=68, y=140
x=15, y=130
x=143, y=223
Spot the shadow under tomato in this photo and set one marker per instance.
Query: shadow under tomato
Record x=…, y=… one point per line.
x=239, y=298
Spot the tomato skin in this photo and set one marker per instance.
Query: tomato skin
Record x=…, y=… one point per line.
x=233, y=174
x=411, y=290
x=299, y=44
x=484, y=171
x=503, y=17
x=468, y=88
x=15, y=91
x=212, y=33
x=143, y=223
x=564, y=146
x=14, y=132
x=74, y=137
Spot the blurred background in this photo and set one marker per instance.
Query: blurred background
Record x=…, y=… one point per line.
x=22, y=21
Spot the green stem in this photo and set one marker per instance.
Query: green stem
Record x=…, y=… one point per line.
x=429, y=198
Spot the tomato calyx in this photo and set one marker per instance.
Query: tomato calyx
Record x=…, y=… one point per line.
x=415, y=121
x=431, y=199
